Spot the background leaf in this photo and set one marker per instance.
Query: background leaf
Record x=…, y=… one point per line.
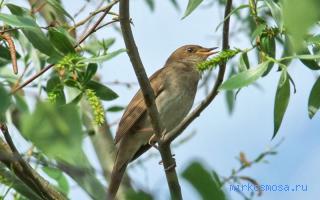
x=57, y=131
x=314, y=99
x=203, y=182
x=192, y=5
x=281, y=100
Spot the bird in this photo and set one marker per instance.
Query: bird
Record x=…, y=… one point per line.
x=175, y=87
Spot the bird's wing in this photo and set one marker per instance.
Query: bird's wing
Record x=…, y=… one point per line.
x=136, y=108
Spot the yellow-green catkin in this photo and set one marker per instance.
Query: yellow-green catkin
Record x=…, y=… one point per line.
x=96, y=106
x=52, y=97
x=70, y=62
x=223, y=56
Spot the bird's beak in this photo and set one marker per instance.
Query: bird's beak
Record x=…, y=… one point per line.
x=206, y=52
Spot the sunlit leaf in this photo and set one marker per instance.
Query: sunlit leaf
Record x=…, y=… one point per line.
x=244, y=78
x=299, y=16
x=244, y=62
x=281, y=100
x=314, y=99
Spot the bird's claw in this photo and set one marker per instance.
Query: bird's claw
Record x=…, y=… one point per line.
x=153, y=141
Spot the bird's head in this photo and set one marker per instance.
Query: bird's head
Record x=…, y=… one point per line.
x=192, y=54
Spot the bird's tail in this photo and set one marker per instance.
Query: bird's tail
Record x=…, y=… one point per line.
x=116, y=177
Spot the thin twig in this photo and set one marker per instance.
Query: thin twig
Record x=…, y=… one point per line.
x=92, y=14
x=149, y=99
x=170, y=136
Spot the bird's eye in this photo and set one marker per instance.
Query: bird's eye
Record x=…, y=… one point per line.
x=189, y=50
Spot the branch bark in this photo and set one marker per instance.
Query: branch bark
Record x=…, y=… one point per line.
x=149, y=99
x=170, y=136
x=14, y=162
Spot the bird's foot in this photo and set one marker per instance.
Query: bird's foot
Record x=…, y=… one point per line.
x=153, y=141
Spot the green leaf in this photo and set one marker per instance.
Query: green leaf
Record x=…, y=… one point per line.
x=57, y=131
x=103, y=92
x=54, y=85
x=192, y=5
x=115, y=109
x=17, y=10
x=58, y=7
x=57, y=175
x=175, y=4
x=91, y=71
x=105, y=57
x=95, y=46
x=245, y=78
x=258, y=31
x=314, y=99
x=268, y=46
x=311, y=64
x=5, y=101
x=32, y=31
x=281, y=100
x=202, y=180
x=299, y=16
x=244, y=62
x=150, y=4
x=276, y=12
x=138, y=195
x=61, y=41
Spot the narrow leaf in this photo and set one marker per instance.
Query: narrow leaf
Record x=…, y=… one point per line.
x=244, y=62
x=104, y=58
x=244, y=78
x=60, y=41
x=314, y=99
x=281, y=100
x=192, y=5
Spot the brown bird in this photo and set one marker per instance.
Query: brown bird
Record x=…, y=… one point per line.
x=175, y=87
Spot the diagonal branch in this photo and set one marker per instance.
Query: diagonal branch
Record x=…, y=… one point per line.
x=170, y=136
x=12, y=159
x=149, y=98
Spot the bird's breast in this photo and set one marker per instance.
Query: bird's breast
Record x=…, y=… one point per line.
x=176, y=100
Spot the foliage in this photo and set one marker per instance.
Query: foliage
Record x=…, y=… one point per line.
x=56, y=122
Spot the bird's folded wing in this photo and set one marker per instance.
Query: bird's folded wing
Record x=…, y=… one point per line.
x=137, y=107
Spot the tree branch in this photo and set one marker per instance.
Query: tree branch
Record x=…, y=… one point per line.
x=170, y=136
x=149, y=99
x=12, y=159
